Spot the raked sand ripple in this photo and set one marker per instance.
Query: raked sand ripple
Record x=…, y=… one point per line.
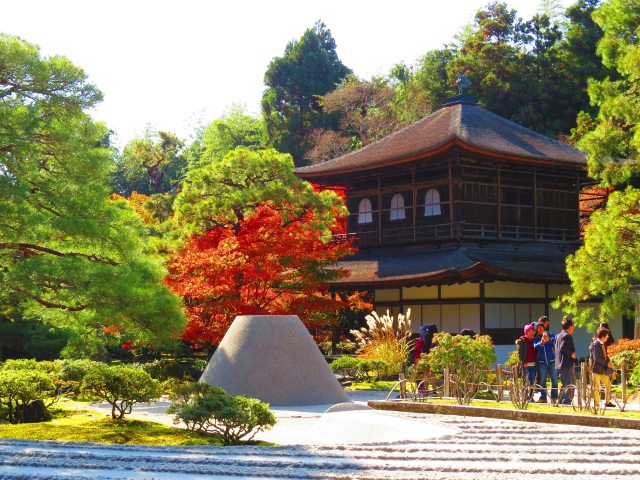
x=472, y=448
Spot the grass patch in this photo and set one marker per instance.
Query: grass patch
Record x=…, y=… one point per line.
x=380, y=385
x=538, y=407
x=72, y=424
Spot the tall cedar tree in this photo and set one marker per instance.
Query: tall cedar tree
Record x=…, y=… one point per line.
x=609, y=261
x=309, y=67
x=68, y=254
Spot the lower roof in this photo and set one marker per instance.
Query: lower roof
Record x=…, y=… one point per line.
x=449, y=264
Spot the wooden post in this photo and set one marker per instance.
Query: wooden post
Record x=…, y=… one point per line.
x=623, y=382
x=403, y=386
x=583, y=386
x=499, y=204
x=499, y=380
x=415, y=197
x=447, y=384
x=535, y=205
x=451, y=216
x=380, y=213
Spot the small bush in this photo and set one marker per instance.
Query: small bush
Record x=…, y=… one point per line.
x=513, y=360
x=625, y=352
x=325, y=348
x=467, y=360
x=30, y=364
x=634, y=378
x=376, y=366
x=21, y=388
x=166, y=368
x=347, y=366
x=205, y=408
x=121, y=386
x=346, y=347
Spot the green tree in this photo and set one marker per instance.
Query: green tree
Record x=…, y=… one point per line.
x=224, y=193
x=309, y=67
x=121, y=386
x=533, y=72
x=235, y=129
x=431, y=75
x=68, y=254
x=149, y=165
x=609, y=261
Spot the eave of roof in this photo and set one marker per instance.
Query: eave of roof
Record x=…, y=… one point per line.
x=533, y=263
x=463, y=125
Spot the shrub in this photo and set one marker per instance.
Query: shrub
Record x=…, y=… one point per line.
x=625, y=352
x=377, y=366
x=346, y=347
x=121, y=386
x=205, y=408
x=20, y=389
x=347, y=366
x=634, y=378
x=467, y=360
x=165, y=368
x=75, y=370
x=30, y=364
x=325, y=348
x=513, y=360
x=69, y=375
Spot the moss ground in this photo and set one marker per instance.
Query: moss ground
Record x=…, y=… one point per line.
x=381, y=385
x=72, y=422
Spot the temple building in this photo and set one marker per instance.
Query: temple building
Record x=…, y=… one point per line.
x=466, y=218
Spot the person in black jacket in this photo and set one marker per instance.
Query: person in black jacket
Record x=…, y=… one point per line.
x=600, y=366
x=565, y=359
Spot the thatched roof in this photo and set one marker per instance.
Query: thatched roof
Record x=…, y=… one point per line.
x=461, y=124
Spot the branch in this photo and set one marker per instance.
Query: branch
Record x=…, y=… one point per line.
x=48, y=304
x=29, y=246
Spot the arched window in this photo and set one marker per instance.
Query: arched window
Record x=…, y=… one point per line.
x=365, y=212
x=397, y=207
x=432, y=203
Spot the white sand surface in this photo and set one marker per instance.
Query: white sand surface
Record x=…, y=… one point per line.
x=351, y=442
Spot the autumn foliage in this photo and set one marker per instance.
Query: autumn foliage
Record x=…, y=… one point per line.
x=266, y=266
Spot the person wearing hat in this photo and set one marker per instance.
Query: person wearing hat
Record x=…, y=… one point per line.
x=566, y=359
x=527, y=356
x=546, y=361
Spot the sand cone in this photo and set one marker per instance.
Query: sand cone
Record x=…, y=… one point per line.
x=273, y=358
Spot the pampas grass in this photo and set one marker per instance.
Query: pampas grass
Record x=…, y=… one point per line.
x=386, y=338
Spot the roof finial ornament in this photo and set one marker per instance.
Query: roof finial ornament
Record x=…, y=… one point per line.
x=462, y=82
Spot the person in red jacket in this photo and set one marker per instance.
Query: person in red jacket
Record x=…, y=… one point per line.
x=527, y=355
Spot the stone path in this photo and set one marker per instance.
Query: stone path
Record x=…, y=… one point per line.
x=476, y=448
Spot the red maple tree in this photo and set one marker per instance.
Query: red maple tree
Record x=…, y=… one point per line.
x=266, y=266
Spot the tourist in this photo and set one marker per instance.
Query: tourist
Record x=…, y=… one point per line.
x=527, y=357
x=611, y=340
x=468, y=333
x=424, y=343
x=544, y=345
x=601, y=366
x=565, y=359
x=545, y=322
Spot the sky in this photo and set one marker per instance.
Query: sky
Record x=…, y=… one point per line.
x=175, y=65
